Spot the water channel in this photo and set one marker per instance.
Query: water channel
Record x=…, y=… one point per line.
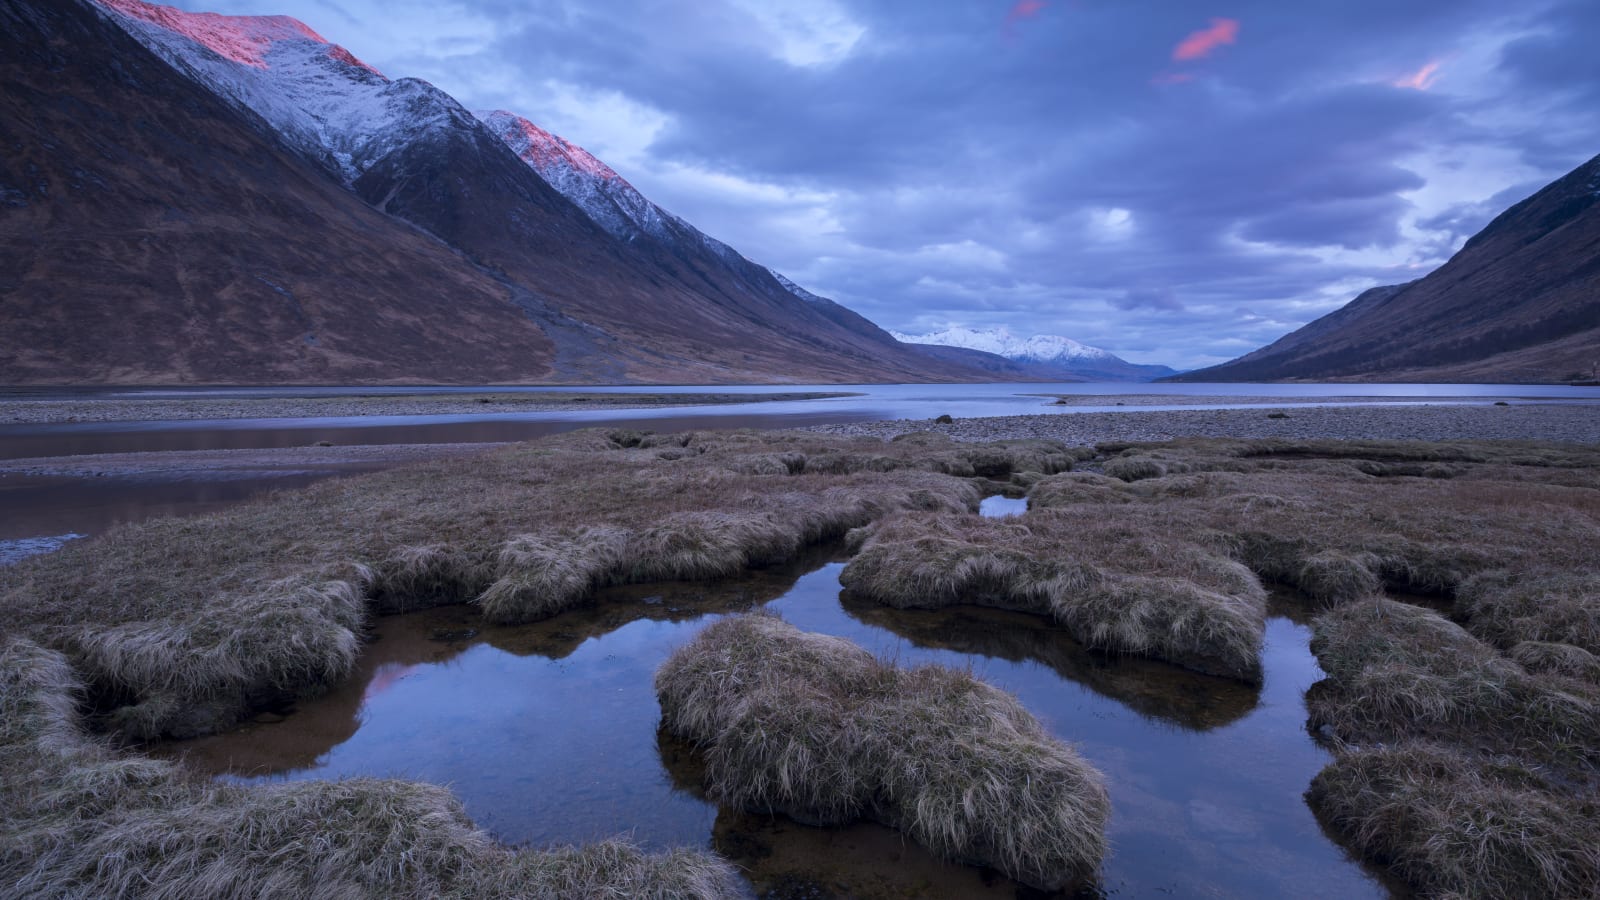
x=548, y=733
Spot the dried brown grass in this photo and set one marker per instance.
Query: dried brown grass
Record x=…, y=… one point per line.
x=1459, y=824
x=1506, y=608
x=1126, y=585
x=815, y=727
x=186, y=623
x=78, y=819
x=1398, y=672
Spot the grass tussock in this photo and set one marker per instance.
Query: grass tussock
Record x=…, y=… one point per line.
x=80, y=819
x=1458, y=824
x=815, y=727
x=1310, y=514
x=1397, y=671
x=1123, y=585
x=1506, y=608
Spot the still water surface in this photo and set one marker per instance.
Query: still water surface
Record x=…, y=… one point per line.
x=868, y=402
x=548, y=733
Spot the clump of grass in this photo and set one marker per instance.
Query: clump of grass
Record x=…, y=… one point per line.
x=1509, y=607
x=1398, y=671
x=1557, y=659
x=1457, y=824
x=1334, y=577
x=1075, y=488
x=815, y=727
x=540, y=575
x=80, y=819
x=1121, y=585
x=193, y=674
x=1134, y=468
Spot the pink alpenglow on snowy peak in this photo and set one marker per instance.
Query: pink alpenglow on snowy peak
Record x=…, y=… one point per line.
x=543, y=150
x=595, y=187
x=242, y=39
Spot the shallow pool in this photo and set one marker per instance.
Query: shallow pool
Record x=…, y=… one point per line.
x=548, y=733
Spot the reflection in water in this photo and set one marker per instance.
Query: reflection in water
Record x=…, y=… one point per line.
x=1155, y=689
x=48, y=505
x=548, y=733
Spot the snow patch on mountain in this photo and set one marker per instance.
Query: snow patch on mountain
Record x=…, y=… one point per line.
x=243, y=39
x=1046, y=348
x=797, y=290
x=595, y=187
x=320, y=97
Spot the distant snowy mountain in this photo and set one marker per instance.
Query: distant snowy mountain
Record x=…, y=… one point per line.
x=1001, y=342
x=1045, y=353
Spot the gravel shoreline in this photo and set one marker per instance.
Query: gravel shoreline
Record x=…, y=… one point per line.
x=120, y=409
x=1556, y=422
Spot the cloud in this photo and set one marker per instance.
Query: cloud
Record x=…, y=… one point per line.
x=1025, y=9
x=1149, y=298
x=884, y=154
x=1422, y=79
x=1199, y=44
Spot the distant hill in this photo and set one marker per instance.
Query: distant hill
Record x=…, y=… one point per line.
x=1520, y=303
x=1042, y=357
x=190, y=197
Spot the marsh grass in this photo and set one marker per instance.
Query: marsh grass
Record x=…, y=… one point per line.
x=80, y=819
x=1397, y=671
x=1124, y=585
x=181, y=626
x=817, y=728
x=1506, y=608
x=186, y=623
x=1459, y=824
x=1470, y=771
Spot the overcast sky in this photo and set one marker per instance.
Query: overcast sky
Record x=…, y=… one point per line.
x=1177, y=181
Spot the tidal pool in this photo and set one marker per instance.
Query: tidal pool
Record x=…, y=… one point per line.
x=548, y=733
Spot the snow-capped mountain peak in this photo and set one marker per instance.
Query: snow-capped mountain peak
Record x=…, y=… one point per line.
x=246, y=40
x=329, y=104
x=1000, y=341
x=595, y=187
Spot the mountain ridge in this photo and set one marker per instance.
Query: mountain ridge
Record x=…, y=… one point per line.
x=570, y=301
x=1040, y=355
x=1519, y=302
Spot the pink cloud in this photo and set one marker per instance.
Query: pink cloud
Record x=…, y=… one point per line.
x=1024, y=9
x=1166, y=78
x=1200, y=44
x=1421, y=79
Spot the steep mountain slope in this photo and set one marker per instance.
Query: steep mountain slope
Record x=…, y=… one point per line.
x=1042, y=356
x=707, y=264
x=573, y=297
x=150, y=232
x=1520, y=302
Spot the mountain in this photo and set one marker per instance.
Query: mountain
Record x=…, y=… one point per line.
x=195, y=197
x=1520, y=302
x=1042, y=356
x=151, y=232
